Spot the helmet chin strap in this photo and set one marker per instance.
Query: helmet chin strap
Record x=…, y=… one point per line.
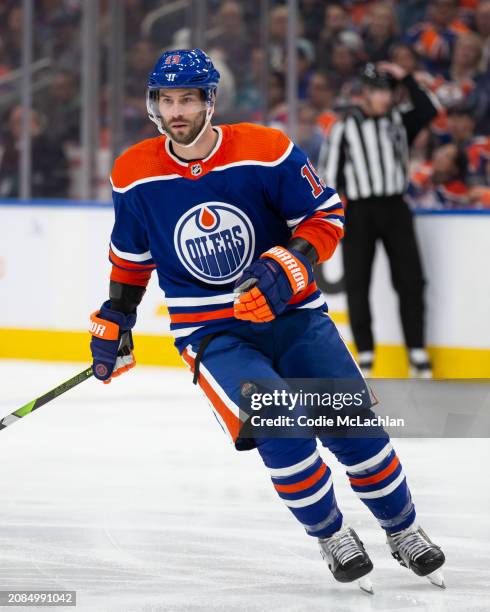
x=209, y=114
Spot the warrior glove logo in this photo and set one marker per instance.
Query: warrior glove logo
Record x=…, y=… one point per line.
x=214, y=242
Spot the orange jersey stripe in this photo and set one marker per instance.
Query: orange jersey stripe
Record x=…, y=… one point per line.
x=359, y=482
x=322, y=235
x=131, y=277
x=194, y=317
x=129, y=265
x=231, y=421
x=303, y=484
x=310, y=290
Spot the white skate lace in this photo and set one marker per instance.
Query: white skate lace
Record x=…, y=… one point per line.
x=411, y=544
x=343, y=546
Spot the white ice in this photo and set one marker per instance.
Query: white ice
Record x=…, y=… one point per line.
x=130, y=494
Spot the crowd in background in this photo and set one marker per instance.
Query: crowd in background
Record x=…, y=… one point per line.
x=445, y=44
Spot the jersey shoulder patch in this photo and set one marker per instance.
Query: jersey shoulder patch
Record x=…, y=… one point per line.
x=143, y=160
x=255, y=143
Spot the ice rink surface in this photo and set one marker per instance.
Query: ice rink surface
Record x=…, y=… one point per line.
x=130, y=494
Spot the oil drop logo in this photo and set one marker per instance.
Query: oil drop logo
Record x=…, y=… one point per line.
x=215, y=242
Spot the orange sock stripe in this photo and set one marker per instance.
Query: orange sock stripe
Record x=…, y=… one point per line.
x=231, y=421
x=359, y=482
x=303, y=484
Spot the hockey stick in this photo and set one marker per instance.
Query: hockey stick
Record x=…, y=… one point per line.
x=47, y=397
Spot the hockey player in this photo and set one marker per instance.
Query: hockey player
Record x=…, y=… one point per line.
x=234, y=218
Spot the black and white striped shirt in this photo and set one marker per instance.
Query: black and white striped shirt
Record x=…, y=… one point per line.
x=366, y=157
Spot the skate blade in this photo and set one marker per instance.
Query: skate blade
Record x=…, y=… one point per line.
x=437, y=579
x=366, y=585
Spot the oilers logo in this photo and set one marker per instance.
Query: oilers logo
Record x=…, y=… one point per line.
x=215, y=242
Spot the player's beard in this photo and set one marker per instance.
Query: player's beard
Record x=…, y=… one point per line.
x=194, y=126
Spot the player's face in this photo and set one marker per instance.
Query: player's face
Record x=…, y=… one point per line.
x=183, y=113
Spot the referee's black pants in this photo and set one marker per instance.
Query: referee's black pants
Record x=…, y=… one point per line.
x=389, y=220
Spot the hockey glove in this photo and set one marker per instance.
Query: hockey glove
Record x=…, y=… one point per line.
x=112, y=342
x=267, y=285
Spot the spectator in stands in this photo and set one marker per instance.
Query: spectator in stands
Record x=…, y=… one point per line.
x=312, y=12
x=464, y=81
x=345, y=66
x=49, y=164
x=278, y=27
x=64, y=41
x=135, y=12
x=466, y=60
x=336, y=28
x=12, y=39
x=249, y=96
x=140, y=60
x=442, y=182
x=232, y=38
x=461, y=132
x=277, y=110
x=309, y=136
x=405, y=56
x=321, y=98
x=409, y=13
x=381, y=32
x=435, y=38
x=60, y=106
x=305, y=60
x=482, y=25
x=225, y=102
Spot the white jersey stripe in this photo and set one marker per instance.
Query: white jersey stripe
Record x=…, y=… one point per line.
x=254, y=162
x=330, y=203
x=137, y=257
x=234, y=408
x=200, y=301
x=311, y=499
x=363, y=465
x=284, y=472
x=213, y=408
x=149, y=179
x=384, y=491
x=320, y=301
x=184, y=331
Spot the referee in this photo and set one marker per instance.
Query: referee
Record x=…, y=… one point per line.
x=366, y=158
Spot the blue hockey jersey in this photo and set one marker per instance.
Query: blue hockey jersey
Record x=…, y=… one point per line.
x=201, y=223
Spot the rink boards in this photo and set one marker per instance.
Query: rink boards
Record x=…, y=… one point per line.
x=54, y=271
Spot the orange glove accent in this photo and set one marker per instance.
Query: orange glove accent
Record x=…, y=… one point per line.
x=101, y=328
x=118, y=370
x=252, y=306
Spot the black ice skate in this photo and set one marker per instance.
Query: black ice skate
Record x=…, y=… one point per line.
x=346, y=557
x=412, y=548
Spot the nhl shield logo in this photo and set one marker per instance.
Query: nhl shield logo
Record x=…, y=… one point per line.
x=196, y=169
x=215, y=242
